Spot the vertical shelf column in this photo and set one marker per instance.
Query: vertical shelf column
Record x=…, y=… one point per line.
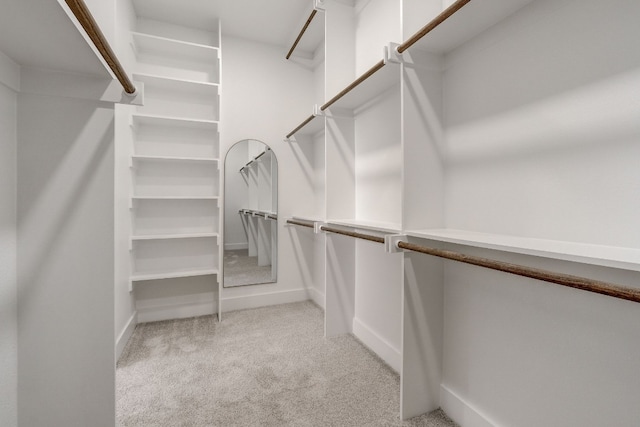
x=422, y=195
x=175, y=172
x=339, y=177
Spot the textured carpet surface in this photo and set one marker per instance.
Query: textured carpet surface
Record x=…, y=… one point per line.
x=261, y=367
x=241, y=269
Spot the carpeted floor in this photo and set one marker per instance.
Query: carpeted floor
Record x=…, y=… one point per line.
x=260, y=367
x=241, y=269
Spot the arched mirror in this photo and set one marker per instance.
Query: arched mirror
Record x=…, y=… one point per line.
x=251, y=214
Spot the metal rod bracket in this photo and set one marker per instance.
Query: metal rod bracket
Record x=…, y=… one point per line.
x=317, y=227
x=391, y=53
x=319, y=5
x=391, y=243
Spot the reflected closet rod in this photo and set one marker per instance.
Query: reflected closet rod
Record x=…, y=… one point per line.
x=456, y=6
x=590, y=285
x=84, y=17
x=304, y=28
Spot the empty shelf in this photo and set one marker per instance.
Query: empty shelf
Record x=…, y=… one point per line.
x=173, y=274
x=173, y=236
x=382, y=227
x=472, y=19
x=158, y=120
x=174, y=159
x=607, y=256
x=175, y=197
x=155, y=45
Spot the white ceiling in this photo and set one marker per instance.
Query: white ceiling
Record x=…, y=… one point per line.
x=38, y=33
x=269, y=21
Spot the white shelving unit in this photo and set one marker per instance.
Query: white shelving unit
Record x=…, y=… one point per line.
x=175, y=167
x=468, y=142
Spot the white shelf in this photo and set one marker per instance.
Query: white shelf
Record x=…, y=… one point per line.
x=381, y=227
x=184, y=85
x=155, y=45
x=472, y=19
x=316, y=125
x=173, y=236
x=379, y=82
x=173, y=275
x=175, y=159
x=158, y=120
x=607, y=256
x=175, y=197
x=382, y=80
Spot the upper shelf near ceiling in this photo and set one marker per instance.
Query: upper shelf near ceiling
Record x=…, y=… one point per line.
x=457, y=24
x=310, y=37
x=41, y=34
x=474, y=17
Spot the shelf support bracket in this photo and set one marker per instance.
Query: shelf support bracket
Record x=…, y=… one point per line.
x=319, y=5
x=391, y=243
x=391, y=54
x=317, y=227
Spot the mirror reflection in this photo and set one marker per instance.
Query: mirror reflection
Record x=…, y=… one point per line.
x=250, y=220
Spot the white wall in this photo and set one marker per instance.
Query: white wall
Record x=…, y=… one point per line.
x=545, y=117
x=8, y=281
x=541, y=117
x=262, y=103
x=236, y=197
x=377, y=23
x=378, y=168
x=65, y=262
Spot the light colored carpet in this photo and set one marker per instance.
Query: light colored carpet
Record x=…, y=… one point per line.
x=261, y=367
x=241, y=269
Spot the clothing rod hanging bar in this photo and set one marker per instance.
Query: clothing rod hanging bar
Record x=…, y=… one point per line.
x=371, y=71
x=300, y=126
x=300, y=222
x=604, y=288
x=84, y=17
x=433, y=24
x=304, y=28
x=357, y=235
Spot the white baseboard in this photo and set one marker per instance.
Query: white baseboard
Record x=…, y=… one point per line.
x=126, y=333
x=316, y=296
x=378, y=345
x=235, y=246
x=261, y=300
x=176, y=308
x=460, y=411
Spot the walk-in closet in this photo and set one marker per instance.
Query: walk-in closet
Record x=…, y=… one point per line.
x=319, y=212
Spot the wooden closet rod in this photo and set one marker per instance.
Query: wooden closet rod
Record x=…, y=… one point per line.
x=371, y=71
x=301, y=223
x=300, y=126
x=82, y=13
x=604, y=288
x=456, y=6
x=363, y=236
x=304, y=28
x=576, y=282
